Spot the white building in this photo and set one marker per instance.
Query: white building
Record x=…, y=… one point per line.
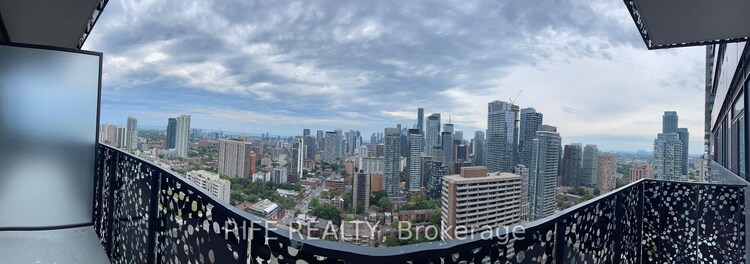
x=132, y=133
x=264, y=208
x=372, y=165
x=220, y=188
x=668, y=157
x=279, y=175
x=475, y=200
x=543, y=173
x=108, y=135
x=234, y=158
x=182, y=134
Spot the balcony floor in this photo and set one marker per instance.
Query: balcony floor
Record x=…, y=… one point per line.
x=72, y=245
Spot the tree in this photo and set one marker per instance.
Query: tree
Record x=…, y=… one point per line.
x=374, y=208
x=391, y=241
x=417, y=202
x=360, y=209
x=597, y=192
x=376, y=196
x=386, y=204
x=237, y=197
x=314, y=202
x=621, y=181
x=435, y=217
x=328, y=211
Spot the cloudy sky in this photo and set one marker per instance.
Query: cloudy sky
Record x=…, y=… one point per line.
x=281, y=66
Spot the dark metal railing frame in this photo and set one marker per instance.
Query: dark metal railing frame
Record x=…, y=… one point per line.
x=344, y=251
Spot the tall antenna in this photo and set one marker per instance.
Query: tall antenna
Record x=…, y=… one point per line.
x=449, y=117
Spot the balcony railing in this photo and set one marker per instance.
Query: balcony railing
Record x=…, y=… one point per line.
x=145, y=214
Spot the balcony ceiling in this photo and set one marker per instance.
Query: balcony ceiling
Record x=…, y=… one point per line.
x=52, y=23
x=677, y=23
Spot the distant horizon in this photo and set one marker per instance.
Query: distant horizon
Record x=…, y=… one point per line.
x=366, y=138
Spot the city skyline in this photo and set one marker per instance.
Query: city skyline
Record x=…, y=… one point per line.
x=366, y=139
x=367, y=72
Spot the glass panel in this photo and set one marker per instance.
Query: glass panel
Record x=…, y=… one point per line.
x=739, y=105
x=741, y=145
x=48, y=119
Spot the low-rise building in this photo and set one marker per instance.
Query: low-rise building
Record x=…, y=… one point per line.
x=338, y=201
x=265, y=209
x=357, y=233
x=335, y=184
x=210, y=181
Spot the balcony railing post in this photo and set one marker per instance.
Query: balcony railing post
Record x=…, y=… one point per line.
x=110, y=210
x=153, y=221
x=559, y=255
x=618, y=225
x=639, y=216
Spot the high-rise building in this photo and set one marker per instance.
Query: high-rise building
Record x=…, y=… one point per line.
x=279, y=175
x=332, y=147
x=297, y=156
x=447, y=146
x=543, y=173
x=478, y=149
x=234, y=158
x=571, y=164
x=475, y=199
x=391, y=161
x=132, y=134
x=379, y=150
x=181, y=137
x=253, y=159
x=668, y=156
x=420, y=124
x=122, y=137
x=361, y=185
x=433, y=177
x=404, y=142
x=531, y=121
x=353, y=141
x=522, y=171
x=641, y=171
x=606, y=172
x=448, y=128
x=587, y=177
x=501, y=136
x=373, y=140
x=415, y=160
x=171, y=132
x=210, y=181
x=305, y=132
x=320, y=140
x=372, y=165
x=376, y=182
x=108, y=135
x=432, y=139
x=669, y=122
x=685, y=139
x=341, y=146
x=458, y=135
x=461, y=151
x=310, y=147
x=669, y=160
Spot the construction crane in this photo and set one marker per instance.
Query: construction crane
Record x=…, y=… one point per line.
x=514, y=100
